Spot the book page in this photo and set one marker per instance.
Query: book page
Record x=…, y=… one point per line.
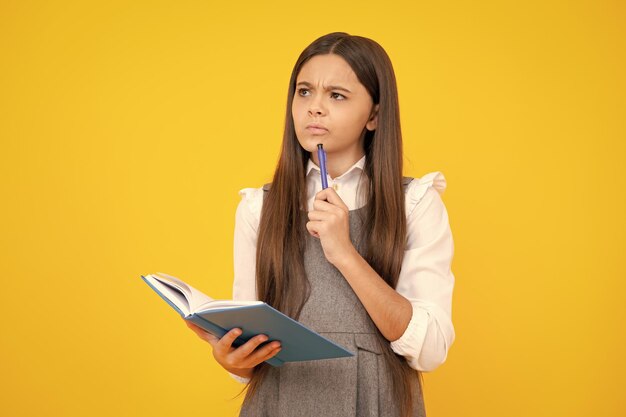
x=196, y=300
x=171, y=292
x=215, y=304
x=195, y=297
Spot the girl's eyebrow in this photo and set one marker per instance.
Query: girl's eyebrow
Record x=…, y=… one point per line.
x=330, y=87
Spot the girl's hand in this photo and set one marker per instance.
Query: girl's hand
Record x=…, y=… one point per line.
x=242, y=360
x=330, y=222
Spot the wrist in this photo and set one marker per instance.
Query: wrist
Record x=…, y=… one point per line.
x=244, y=373
x=348, y=260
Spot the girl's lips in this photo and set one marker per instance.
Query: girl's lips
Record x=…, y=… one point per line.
x=317, y=130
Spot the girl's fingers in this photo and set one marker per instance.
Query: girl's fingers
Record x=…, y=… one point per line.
x=264, y=354
x=322, y=205
x=197, y=330
x=261, y=354
x=244, y=354
x=319, y=215
x=213, y=340
x=243, y=351
x=334, y=198
x=312, y=230
x=202, y=334
x=331, y=197
x=224, y=344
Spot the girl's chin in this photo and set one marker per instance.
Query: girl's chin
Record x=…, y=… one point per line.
x=310, y=144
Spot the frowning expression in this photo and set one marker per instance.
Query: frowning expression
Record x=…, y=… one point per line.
x=329, y=94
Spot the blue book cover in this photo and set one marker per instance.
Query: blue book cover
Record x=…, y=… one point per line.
x=218, y=317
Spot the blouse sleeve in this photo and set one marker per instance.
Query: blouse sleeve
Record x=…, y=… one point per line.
x=247, y=219
x=426, y=278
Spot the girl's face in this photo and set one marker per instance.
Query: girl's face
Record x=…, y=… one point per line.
x=328, y=93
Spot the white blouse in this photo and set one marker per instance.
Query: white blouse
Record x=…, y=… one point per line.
x=426, y=278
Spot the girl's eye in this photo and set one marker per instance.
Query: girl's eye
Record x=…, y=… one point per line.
x=300, y=90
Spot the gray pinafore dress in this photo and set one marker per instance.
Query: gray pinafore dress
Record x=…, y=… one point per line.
x=358, y=386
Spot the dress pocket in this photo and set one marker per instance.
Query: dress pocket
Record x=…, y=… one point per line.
x=368, y=342
x=369, y=359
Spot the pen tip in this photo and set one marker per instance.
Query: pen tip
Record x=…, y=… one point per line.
x=319, y=146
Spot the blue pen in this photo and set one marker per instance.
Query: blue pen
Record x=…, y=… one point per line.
x=321, y=155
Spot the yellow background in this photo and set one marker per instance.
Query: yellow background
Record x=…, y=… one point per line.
x=127, y=129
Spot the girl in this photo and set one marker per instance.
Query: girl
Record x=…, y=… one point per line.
x=364, y=262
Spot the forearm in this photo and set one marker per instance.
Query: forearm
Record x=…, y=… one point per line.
x=390, y=311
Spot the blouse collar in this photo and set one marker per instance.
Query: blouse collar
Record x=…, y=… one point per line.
x=358, y=165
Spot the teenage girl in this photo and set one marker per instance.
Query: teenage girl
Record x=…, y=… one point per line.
x=364, y=262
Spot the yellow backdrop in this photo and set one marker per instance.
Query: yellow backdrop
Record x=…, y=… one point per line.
x=127, y=129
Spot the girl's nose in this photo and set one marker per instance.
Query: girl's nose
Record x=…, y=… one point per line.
x=315, y=107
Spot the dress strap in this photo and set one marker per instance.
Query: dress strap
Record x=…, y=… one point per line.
x=406, y=181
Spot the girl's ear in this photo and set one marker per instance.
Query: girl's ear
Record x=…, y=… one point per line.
x=372, y=123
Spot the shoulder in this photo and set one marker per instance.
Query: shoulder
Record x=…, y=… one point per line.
x=433, y=184
x=251, y=202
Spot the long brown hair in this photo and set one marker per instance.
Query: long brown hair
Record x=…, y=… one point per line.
x=280, y=276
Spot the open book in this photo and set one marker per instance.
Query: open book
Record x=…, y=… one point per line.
x=218, y=317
